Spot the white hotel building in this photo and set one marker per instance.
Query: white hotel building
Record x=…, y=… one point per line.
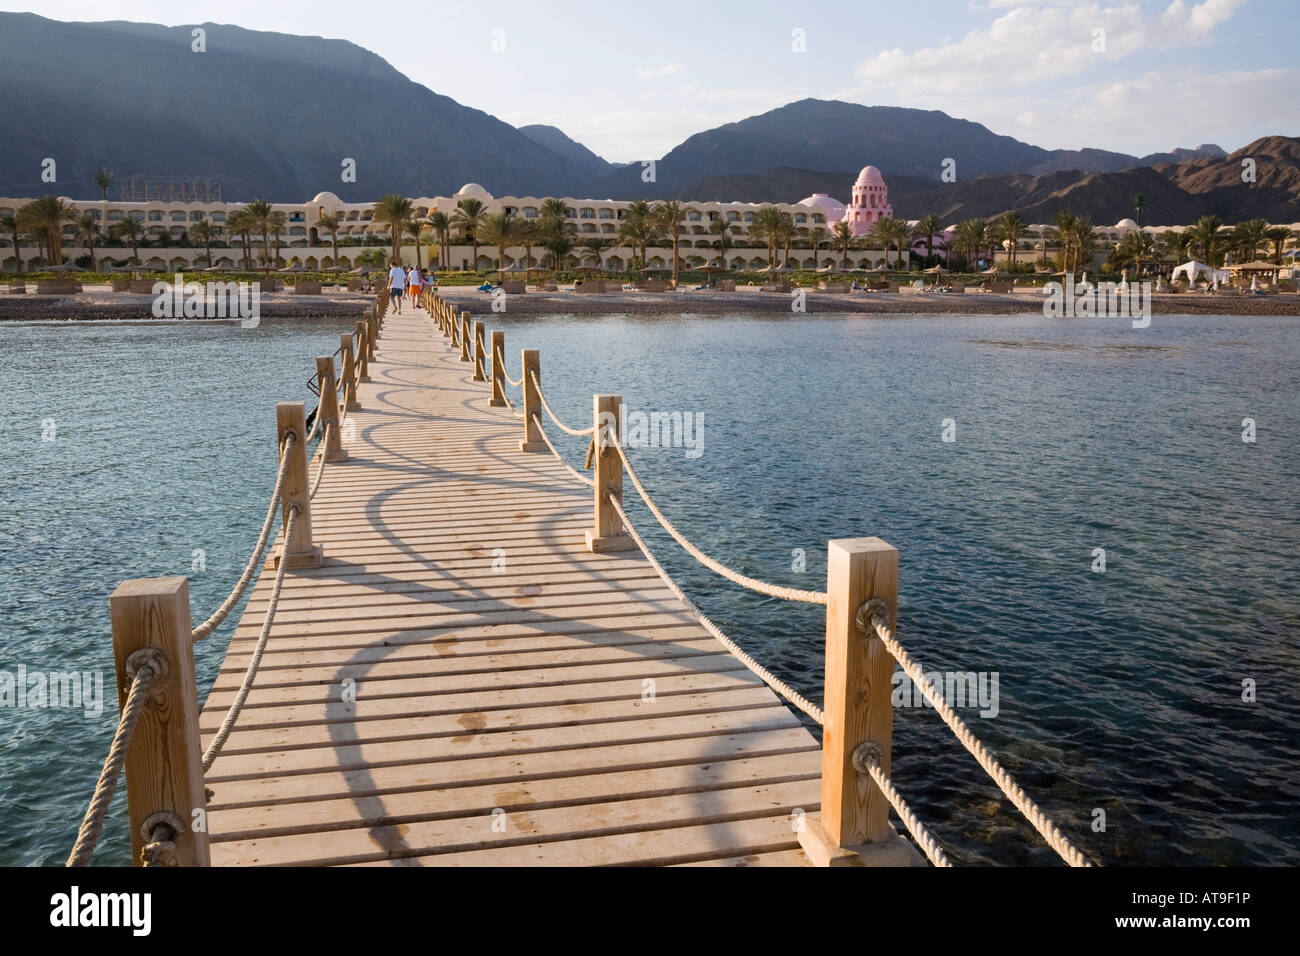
x=166, y=226
x=310, y=245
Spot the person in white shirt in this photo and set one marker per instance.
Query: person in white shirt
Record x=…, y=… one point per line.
x=413, y=283
x=396, y=284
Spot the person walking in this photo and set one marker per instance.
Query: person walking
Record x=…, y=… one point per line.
x=396, y=284
x=413, y=284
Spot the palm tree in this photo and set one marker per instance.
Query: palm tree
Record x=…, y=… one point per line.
x=668, y=216
x=468, y=218
x=720, y=227
x=528, y=234
x=259, y=213
x=893, y=232
x=10, y=225
x=104, y=180
x=638, y=228
x=1013, y=229
x=1205, y=236
x=48, y=214
x=843, y=239
x=770, y=226
x=555, y=230
x=1278, y=236
x=415, y=228
x=1248, y=236
x=395, y=209
x=242, y=223
x=130, y=229
x=784, y=234
x=203, y=231
x=1136, y=247
x=597, y=245
x=927, y=228
x=440, y=223
x=1174, y=245
x=330, y=221
x=972, y=237
x=1083, y=239
x=501, y=230
x=1139, y=203
x=277, y=222
x=817, y=236
x=1063, y=223
x=87, y=233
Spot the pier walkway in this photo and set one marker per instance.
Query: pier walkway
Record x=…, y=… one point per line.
x=461, y=651
x=500, y=668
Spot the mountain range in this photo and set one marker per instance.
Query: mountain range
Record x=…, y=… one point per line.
x=276, y=116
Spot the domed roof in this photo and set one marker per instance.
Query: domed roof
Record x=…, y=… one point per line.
x=1127, y=224
x=828, y=206
x=473, y=191
x=326, y=199
x=870, y=176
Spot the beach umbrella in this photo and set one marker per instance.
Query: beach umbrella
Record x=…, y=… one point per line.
x=61, y=268
x=936, y=271
x=881, y=268
x=297, y=267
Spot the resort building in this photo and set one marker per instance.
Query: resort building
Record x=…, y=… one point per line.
x=167, y=244
x=166, y=227
x=870, y=201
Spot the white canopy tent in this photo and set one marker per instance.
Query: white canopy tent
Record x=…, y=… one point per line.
x=1194, y=270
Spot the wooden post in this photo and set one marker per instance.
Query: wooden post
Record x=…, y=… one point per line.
x=464, y=336
x=373, y=338
x=498, y=369
x=164, y=764
x=853, y=827
x=370, y=316
x=299, y=551
x=350, y=402
x=363, y=352
x=480, y=357
x=329, y=407
x=381, y=298
x=606, y=534
x=533, y=440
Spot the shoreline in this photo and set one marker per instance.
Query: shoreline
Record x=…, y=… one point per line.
x=109, y=306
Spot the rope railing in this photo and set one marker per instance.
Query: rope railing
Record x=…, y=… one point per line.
x=220, y=614
x=560, y=458
x=929, y=846
x=92, y=824
x=152, y=635
x=577, y=432
x=877, y=616
x=744, y=580
x=232, y=714
x=322, y=451
x=770, y=679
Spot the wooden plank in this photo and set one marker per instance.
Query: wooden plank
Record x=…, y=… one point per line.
x=605, y=832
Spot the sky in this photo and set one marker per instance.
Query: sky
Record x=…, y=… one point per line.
x=631, y=80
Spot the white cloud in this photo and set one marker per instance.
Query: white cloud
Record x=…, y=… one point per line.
x=1043, y=40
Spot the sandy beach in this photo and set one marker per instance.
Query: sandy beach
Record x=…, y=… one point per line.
x=101, y=304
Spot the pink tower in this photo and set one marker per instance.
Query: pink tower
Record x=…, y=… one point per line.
x=870, y=201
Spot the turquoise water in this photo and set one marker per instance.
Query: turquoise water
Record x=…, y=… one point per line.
x=1118, y=691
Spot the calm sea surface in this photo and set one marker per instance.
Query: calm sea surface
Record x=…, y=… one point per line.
x=1119, y=692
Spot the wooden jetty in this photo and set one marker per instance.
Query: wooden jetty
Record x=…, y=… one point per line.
x=459, y=653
